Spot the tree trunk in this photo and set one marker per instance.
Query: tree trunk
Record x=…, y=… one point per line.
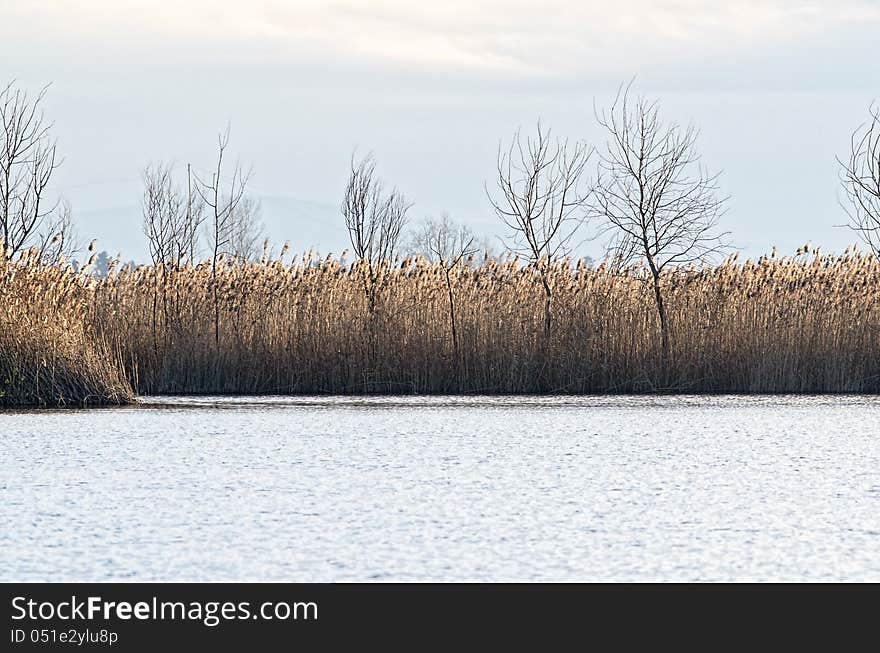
x=455, y=351
x=661, y=313
x=548, y=298
x=544, y=371
x=215, y=294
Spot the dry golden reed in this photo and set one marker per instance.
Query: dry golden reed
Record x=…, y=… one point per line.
x=49, y=354
x=807, y=324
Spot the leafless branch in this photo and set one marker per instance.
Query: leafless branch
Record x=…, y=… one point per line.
x=222, y=203
x=374, y=219
x=659, y=203
x=28, y=158
x=860, y=177
x=541, y=198
x=164, y=211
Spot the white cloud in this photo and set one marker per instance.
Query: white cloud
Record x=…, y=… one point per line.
x=514, y=36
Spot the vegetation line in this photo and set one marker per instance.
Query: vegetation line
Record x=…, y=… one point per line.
x=805, y=324
x=667, y=310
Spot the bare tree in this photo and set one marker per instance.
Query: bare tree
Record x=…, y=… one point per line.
x=375, y=221
x=660, y=203
x=542, y=200
x=221, y=205
x=27, y=161
x=171, y=219
x=860, y=176
x=446, y=244
x=163, y=208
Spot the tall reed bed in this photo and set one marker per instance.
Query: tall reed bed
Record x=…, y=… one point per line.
x=49, y=354
x=804, y=324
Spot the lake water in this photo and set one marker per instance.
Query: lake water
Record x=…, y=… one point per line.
x=416, y=489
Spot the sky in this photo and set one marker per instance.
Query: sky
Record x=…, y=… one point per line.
x=776, y=87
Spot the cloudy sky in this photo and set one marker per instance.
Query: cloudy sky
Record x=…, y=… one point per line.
x=776, y=87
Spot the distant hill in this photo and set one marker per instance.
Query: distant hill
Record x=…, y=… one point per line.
x=305, y=224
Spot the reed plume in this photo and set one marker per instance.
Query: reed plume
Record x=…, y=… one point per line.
x=49, y=353
x=807, y=324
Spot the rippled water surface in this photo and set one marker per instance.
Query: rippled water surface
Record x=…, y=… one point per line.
x=330, y=489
